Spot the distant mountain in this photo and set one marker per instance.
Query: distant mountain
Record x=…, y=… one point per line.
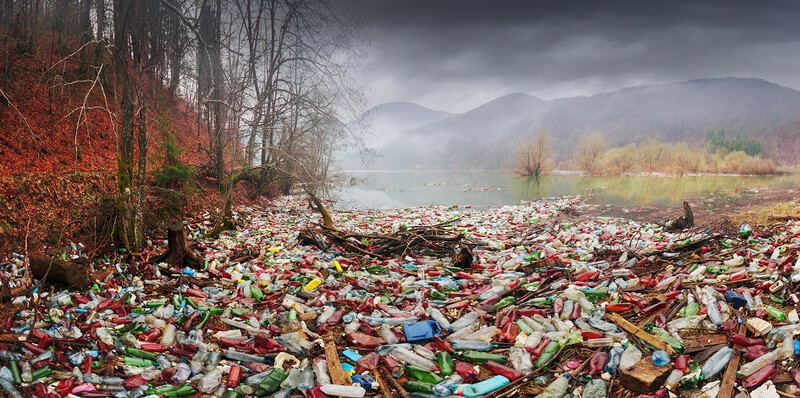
x=486, y=136
x=387, y=121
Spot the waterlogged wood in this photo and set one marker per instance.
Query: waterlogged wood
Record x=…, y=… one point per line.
x=338, y=375
x=726, y=388
x=62, y=272
x=646, y=337
x=645, y=376
x=704, y=341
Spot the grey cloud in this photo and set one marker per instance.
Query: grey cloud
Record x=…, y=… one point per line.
x=454, y=55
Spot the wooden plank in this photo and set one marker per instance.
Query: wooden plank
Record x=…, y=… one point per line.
x=726, y=388
x=387, y=375
x=702, y=342
x=645, y=376
x=646, y=337
x=338, y=375
x=383, y=384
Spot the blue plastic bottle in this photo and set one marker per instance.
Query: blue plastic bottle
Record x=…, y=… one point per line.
x=485, y=387
x=613, y=359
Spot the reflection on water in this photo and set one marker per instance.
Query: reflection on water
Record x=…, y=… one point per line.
x=398, y=189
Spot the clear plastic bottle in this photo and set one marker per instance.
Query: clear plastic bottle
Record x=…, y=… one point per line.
x=472, y=345
x=753, y=366
x=446, y=387
x=388, y=335
x=463, y=332
x=410, y=357
x=466, y=320
x=355, y=391
x=483, y=334
x=716, y=363
x=556, y=389
x=210, y=381
x=168, y=337
x=520, y=359
x=306, y=381
x=320, y=368
x=437, y=316
x=673, y=379
x=596, y=388
x=631, y=356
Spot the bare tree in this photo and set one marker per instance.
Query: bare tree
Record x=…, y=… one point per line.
x=589, y=152
x=534, y=155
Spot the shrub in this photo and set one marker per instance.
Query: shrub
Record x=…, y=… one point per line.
x=172, y=173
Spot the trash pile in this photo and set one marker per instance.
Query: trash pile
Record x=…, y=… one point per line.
x=546, y=304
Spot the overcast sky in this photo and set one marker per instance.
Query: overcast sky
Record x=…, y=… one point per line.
x=455, y=55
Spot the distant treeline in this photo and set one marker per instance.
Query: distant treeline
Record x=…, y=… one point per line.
x=721, y=154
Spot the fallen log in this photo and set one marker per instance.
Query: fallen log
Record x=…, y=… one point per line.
x=178, y=252
x=53, y=270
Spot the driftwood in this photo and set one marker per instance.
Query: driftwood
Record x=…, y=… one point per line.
x=682, y=222
x=54, y=270
x=178, y=252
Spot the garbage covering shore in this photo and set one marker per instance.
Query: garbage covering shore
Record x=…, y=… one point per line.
x=524, y=300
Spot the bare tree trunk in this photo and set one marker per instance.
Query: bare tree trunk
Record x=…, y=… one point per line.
x=141, y=178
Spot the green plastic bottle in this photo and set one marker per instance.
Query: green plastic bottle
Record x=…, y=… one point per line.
x=423, y=375
x=777, y=300
x=549, y=351
x=524, y=327
x=690, y=309
x=377, y=269
x=446, y=365
x=437, y=295
x=506, y=301
x=16, y=373
x=418, y=386
x=40, y=373
x=594, y=295
x=138, y=362
x=256, y=293
x=273, y=381
x=673, y=342
x=775, y=313
x=478, y=357
x=140, y=354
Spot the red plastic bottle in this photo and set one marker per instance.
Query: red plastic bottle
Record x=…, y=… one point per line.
x=502, y=370
x=598, y=362
x=135, y=381
x=744, y=341
x=538, y=350
x=234, y=376
x=466, y=371
x=759, y=376
x=365, y=340
x=754, y=351
x=151, y=335
x=65, y=386
x=368, y=362
x=655, y=308
x=591, y=334
x=509, y=332
x=619, y=307
x=682, y=363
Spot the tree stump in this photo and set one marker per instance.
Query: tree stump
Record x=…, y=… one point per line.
x=683, y=222
x=178, y=253
x=62, y=272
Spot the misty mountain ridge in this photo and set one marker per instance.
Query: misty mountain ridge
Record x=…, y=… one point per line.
x=486, y=136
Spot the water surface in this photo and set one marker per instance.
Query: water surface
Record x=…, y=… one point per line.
x=481, y=189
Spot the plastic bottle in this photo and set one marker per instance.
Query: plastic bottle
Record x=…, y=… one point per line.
x=673, y=379
x=320, y=367
x=446, y=365
x=716, y=363
x=353, y=391
x=775, y=313
x=472, y=345
x=484, y=387
x=520, y=359
x=713, y=312
x=759, y=376
x=466, y=320
x=548, y=353
x=556, y=389
x=446, y=387
x=660, y=358
x=498, y=369
x=437, y=316
x=598, y=362
x=631, y=356
x=595, y=388
x=412, y=358
x=613, y=359
x=753, y=366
